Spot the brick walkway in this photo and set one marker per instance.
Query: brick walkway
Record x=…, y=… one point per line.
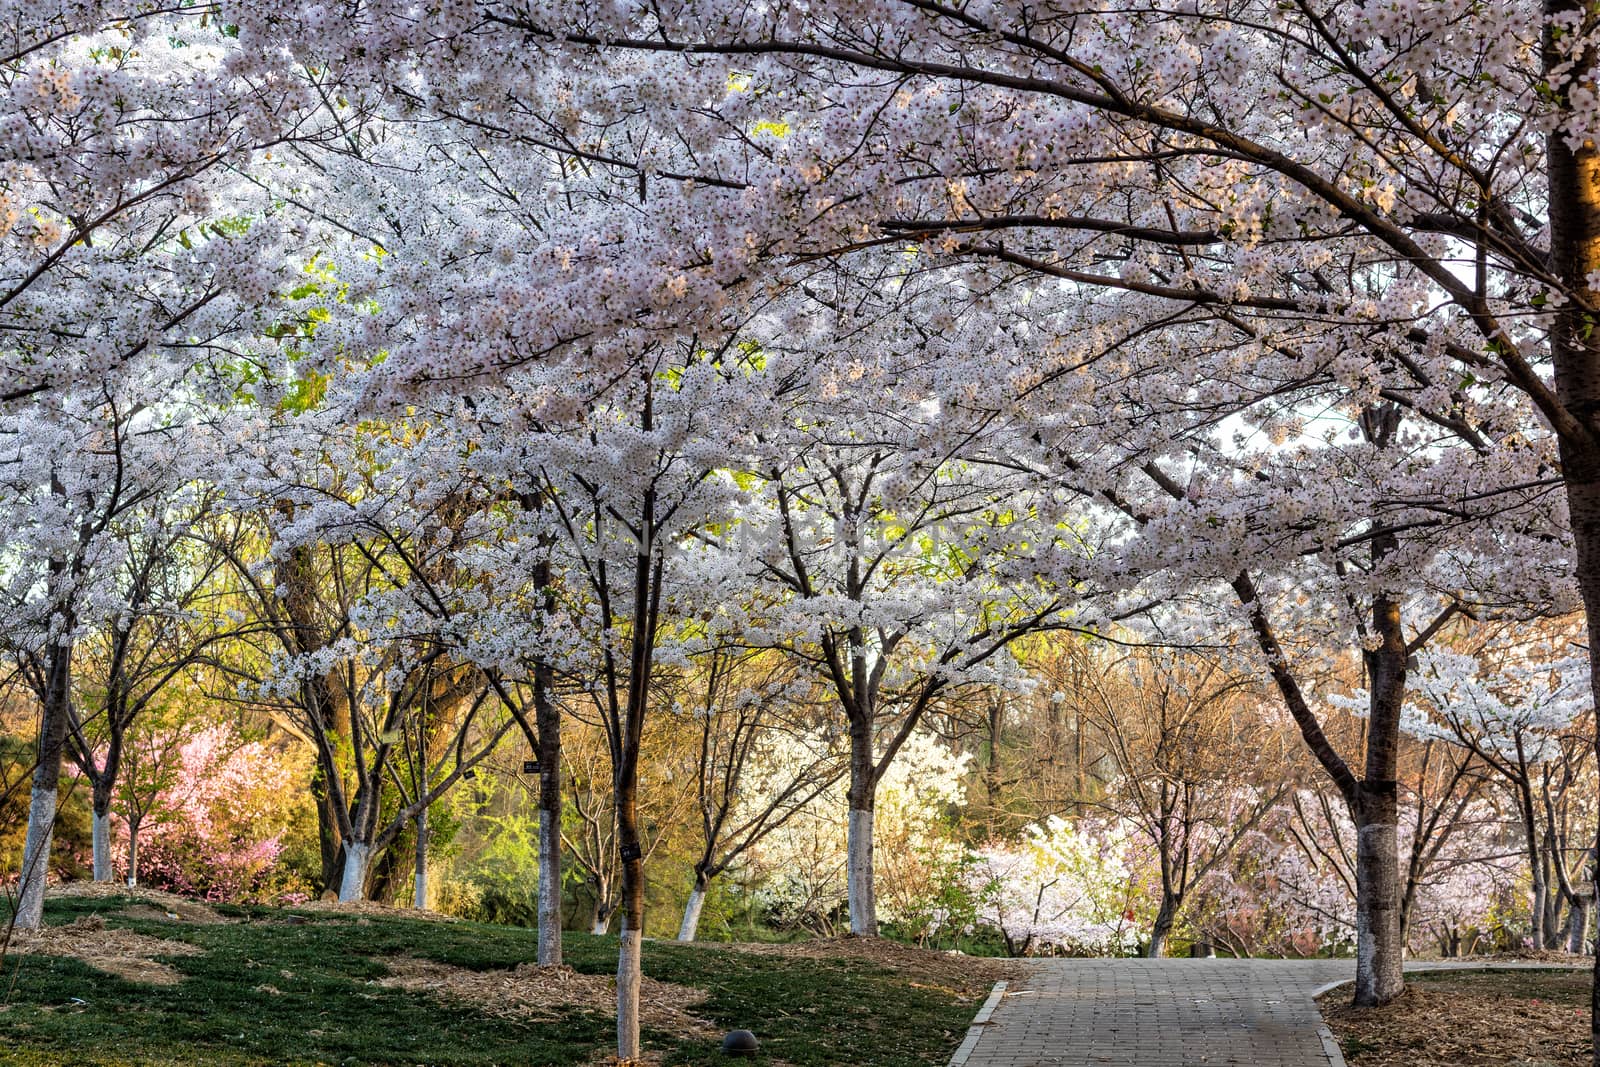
x=1160, y=1013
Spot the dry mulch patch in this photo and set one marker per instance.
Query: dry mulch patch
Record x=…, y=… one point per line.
x=115, y=951
x=1519, y=1018
x=369, y=908
x=529, y=991
x=155, y=904
x=968, y=977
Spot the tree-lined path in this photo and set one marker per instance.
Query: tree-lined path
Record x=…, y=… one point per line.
x=1161, y=1013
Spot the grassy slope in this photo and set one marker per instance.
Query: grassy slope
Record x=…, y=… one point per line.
x=808, y=1012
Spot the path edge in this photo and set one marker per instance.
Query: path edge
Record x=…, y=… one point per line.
x=980, y=1020
x=1330, y=1044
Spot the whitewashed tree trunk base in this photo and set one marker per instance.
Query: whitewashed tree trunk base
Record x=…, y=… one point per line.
x=102, y=847
x=1379, y=956
x=690, y=927
x=353, y=886
x=549, y=890
x=36, y=859
x=628, y=970
x=863, y=908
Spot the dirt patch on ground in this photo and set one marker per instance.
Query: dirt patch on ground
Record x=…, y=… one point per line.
x=369, y=908
x=115, y=951
x=1524, y=1018
x=533, y=992
x=153, y=904
x=968, y=977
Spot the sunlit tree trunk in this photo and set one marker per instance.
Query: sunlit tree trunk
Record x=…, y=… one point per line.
x=689, y=929
x=357, y=862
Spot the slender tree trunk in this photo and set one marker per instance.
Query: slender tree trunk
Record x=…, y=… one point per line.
x=419, y=898
x=630, y=938
x=600, y=921
x=547, y=719
x=1536, y=877
x=134, y=822
x=859, y=872
x=46, y=780
x=689, y=929
x=357, y=860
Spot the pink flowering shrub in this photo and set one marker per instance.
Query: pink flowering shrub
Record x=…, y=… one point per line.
x=219, y=818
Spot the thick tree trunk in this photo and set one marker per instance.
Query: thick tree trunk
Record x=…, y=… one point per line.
x=46, y=779
x=1577, y=932
x=1161, y=932
x=36, y=855
x=419, y=896
x=1380, y=946
x=357, y=860
x=689, y=929
x=1574, y=209
x=1380, y=951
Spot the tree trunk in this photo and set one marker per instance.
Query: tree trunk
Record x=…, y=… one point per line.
x=419, y=899
x=133, y=849
x=102, y=842
x=690, y=927
x=1574, y=210
x=1161, y=932
x=600, y=923
x=862, y=893
x=357, y=859
x=632, y=932
x=1380, y=952
x=547, y=719
x=1380, y=948
x=1577, y=933
x=46, y=779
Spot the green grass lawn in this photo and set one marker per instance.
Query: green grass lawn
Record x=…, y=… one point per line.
x=327, y=1009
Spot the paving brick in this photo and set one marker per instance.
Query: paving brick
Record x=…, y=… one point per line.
x=1160, y=1013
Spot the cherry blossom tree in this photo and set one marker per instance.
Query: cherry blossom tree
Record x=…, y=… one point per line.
x=908, y=561
x=1517, y=716
x=86, y=471
x=753, y=767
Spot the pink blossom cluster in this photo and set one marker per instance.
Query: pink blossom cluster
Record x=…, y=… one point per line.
x=216, y=831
